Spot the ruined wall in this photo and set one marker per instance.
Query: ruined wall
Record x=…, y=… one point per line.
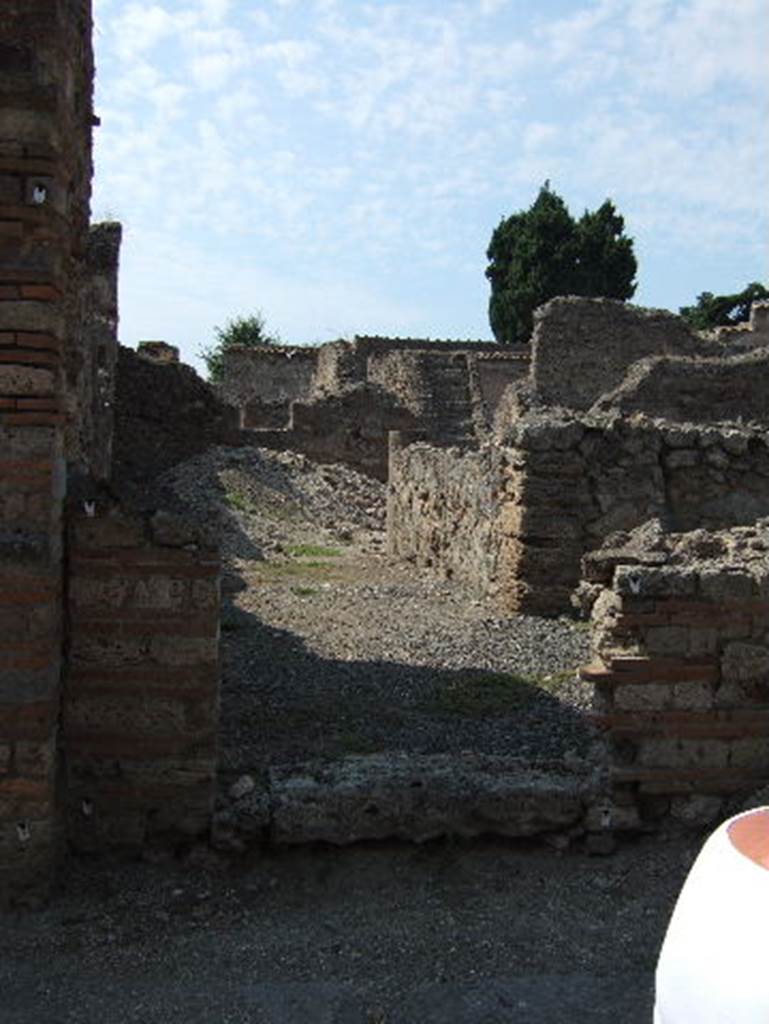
x=263, y=381
x=695, y=391
x=140, y=706
x=444, y=509
x=681, y=669
x=582, y=348
x=745, y=336
x=164, y=413
x=566, y=485
x=350, y=428
x=495, y=373
x=46, y=73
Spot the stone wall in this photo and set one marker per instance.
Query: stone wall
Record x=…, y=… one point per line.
x=350, y=428
x=582, y=348
x=46, y=75
x=444, y=509
x=451, y=388
x=750, y=335
x=164, y=413
x=556, y=489
x=140, y=706
x=263, y=381
x=695, y=391
x=681, y=668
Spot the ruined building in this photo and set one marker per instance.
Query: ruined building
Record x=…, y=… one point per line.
x=527, y=477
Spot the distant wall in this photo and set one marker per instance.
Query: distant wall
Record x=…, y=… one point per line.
x=742, y=336
x=350, y=428
x=164, y=413
x=582, y=348
x=267, y=376
x=695, y=391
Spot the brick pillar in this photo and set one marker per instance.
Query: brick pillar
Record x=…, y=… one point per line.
x=45, y=125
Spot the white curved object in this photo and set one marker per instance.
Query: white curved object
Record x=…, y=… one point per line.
x=714, y=964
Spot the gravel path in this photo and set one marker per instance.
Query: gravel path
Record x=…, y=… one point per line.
x=330, y=649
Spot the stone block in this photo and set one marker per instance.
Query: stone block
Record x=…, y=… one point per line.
x=751, y=752
x=672, y=752
x=640, y=697
x=25, y=380
x=419, y=797
x=717, y=584
x=170, y=650
x=124, y=715
x=46, y=317
x=693, y=696
x=745, y=664
x=696, y=810
x=107, y=531
x=702, y=640
x=666, y=640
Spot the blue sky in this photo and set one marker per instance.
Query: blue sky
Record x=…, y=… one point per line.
x=340, y=165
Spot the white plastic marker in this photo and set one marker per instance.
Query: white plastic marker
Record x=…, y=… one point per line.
x=714, y=964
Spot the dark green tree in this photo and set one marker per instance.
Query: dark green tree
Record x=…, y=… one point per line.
x=722, y=310
x=250, y=331
x=542, y=252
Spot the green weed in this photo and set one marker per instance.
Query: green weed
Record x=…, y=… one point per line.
x=313, y=551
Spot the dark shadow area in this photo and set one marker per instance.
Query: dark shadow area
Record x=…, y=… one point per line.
x=282, y=702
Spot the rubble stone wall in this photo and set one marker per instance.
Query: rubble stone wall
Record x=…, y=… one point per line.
x=164, y=413
x=681, y=670
x=140, y=706
x=695, y=391
x=557, y=489
x=445, y=509
x=266, y=379
x=582, y=348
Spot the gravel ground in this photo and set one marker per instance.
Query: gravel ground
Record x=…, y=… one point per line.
x=485, y=933
x=330, y=649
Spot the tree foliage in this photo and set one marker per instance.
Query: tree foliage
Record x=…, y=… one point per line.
x=250, y=331
x=723, y=310
x=542, y=252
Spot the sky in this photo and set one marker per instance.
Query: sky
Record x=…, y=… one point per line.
x=340, y=165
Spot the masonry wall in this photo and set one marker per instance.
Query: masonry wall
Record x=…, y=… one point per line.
x=557, y=488
x=45, y=158
x=164, y=413
x=444, y=509
x=701, y=391
x=263, y=381
x=140, y=706
x=681, y=675
x=582, y=348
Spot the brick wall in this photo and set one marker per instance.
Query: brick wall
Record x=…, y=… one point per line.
x=681, y=670
x=140, y=705
x=45, y=158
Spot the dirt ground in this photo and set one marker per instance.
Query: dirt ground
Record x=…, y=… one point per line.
x=446, y=933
